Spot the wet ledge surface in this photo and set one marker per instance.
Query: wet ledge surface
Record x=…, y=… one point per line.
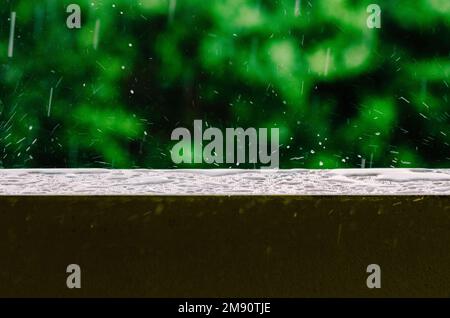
x=225, y=233
x=225, y=182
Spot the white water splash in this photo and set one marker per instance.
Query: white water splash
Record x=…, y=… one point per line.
x=224, y=182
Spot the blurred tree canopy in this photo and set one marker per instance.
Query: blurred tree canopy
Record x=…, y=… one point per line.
x=110, y=94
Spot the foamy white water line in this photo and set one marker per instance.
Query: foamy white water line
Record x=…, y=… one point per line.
x=224, y=182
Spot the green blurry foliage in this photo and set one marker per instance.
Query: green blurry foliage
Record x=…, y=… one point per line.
x=340, y=93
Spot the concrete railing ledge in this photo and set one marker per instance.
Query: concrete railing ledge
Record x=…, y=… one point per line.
x=225, y=182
